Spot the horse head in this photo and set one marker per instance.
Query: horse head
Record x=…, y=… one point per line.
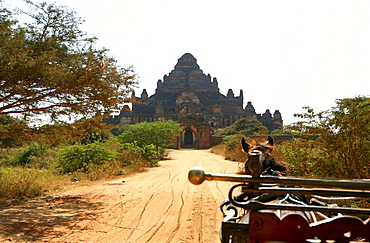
x=271, y=166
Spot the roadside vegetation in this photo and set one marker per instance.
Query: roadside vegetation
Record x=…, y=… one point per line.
x=230, y=147
x=334, y=143
x=56, y=86
x=33, y=169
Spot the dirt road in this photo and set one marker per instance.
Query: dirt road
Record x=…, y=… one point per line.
x=159, y=205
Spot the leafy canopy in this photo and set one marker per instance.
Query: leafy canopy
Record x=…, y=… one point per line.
x=246, y=127
x=15, y=128
x=284, y=131
x=50, y=68
x=159, y=133
x=343, y=147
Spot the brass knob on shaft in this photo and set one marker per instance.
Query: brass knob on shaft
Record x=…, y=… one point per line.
x=196, y=175
x=254, y=163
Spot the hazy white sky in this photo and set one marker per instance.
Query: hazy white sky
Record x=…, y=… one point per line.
x=283, y=54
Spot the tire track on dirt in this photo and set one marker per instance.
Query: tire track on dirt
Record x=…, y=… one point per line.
x=158, y=205
x=154, y=229
x=141, y=215
x=174, y=232
x=157, y=226
x=200, y=218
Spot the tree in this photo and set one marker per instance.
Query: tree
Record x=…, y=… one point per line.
x=13, y=127
x=51, y=69
x=160, y=134
x=246, y=127
x=342, y=149
x=284, y=131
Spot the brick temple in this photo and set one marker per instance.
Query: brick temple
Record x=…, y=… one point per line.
x=193, y=99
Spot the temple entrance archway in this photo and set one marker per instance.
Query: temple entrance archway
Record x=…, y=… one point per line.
x=189, y=139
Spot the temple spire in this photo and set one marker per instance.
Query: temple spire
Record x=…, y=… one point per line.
x=230, y=93
x=144, y=94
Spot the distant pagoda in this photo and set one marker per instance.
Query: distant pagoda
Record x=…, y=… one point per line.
x=193, y=99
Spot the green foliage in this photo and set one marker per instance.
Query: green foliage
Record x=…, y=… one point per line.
x=29, y=154
x=233, y=149
x=79, y=157
x=93, y=137
x=303, y=157
x=43, y=165
x=343, y=147
x=12, y=131
x=151, y=155
x=284, y=131
x=246, y=127
x=131, y=157
x=119, y=129
x=93, y=172
x=146, y=153
x=232, y=141
x=50, y=68
x=160, y=134
x=83, y=131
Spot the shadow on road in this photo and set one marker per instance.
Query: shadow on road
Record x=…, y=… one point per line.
x=32, y=220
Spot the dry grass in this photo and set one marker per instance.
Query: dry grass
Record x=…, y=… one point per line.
x=235, y=154
x=24, y=183
x=20, y=183
x=28, y=175
x=218, y=149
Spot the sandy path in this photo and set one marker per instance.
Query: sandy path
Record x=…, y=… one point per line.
x=159, y=205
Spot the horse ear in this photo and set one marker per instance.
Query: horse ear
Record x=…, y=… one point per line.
x=245, y=145
x=270, y=141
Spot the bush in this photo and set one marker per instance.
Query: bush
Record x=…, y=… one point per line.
x=218, y=149
x=284, y=131
x=29, y=154
x=95, y=172
x=302, y=156
x=78, y=157
x=246, y=127
x=147, y=153
x=160, y=134
x=152, y=155
x=342, y=149
x=309, y=158
x=131, y=159
x=85, y=162
x=233, y=149
x=232, y=141
x=19, y=183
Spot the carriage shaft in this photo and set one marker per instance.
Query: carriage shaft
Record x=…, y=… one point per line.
x=309, y=191
x=294, y=181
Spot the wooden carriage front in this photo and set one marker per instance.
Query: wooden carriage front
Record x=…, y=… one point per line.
x=255, y=221
x=267, y=227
